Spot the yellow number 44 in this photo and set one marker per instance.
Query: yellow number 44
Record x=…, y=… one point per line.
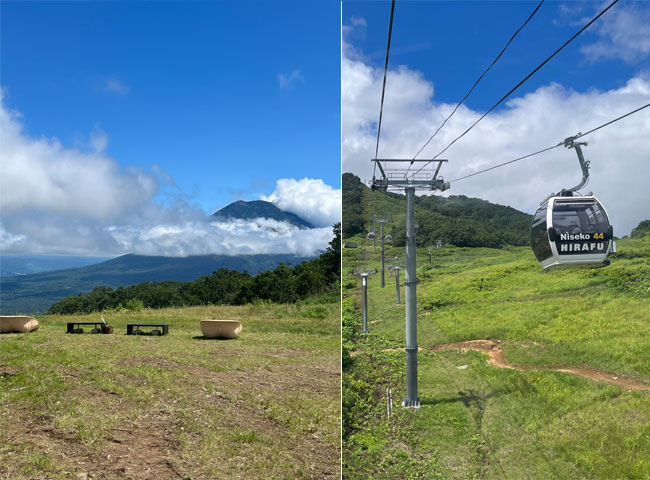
x=598, y=236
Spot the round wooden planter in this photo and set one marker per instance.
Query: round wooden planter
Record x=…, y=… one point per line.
x=220, y=328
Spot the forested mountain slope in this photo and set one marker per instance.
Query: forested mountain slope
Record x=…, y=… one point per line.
x=457, y=219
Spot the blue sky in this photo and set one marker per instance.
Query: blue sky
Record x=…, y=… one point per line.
x=195, y=88
x=440, y=48
x=124, y=123
x=454, y=42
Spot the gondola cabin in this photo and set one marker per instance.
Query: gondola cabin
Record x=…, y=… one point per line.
x=570, y=232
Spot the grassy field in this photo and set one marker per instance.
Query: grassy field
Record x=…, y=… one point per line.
x=509, y=407
x=264, y=405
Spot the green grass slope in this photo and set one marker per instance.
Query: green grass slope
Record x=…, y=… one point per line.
x=481, y=421
x=264, y=405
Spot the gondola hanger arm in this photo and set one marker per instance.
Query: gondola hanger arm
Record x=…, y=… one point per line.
x=570, y=142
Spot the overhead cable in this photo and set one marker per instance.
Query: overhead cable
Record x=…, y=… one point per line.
x=507, y=163
x=612, y=121
x=479, y=79
x=523, y=81
x=383, y=88
x=579, y=135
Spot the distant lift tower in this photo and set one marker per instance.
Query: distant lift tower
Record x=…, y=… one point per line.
x=364, y=278
x=397, y=263
x=364, y=282
x=381, y=221
x=395, y=176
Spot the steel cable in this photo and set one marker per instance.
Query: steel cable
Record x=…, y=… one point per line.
x=512, y=90
x=579, y=135
x=383, y=88
x=479, y=79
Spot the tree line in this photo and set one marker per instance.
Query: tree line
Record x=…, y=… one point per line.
x=284, y=284
x=456, y=219
x=353, y=220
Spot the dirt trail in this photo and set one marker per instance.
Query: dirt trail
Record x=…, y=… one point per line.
x=497, y=358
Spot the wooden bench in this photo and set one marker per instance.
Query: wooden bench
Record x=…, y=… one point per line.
x=75, y=327
x=134, y=328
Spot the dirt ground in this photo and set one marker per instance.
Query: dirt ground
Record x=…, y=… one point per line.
x=497, y=358
x=137, y=450
x=148, y=447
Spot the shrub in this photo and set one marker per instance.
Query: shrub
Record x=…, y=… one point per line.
x=316, y=311
x=135, y=304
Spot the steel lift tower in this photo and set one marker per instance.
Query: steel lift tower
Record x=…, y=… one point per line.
x=381, y=221
x=397, y=263
x=395, y=176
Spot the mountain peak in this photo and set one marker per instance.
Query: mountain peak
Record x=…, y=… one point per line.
x=242, y=209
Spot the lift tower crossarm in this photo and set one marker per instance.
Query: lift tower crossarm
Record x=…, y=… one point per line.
x=400, y=179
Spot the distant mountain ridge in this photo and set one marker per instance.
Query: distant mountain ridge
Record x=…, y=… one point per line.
x=456, y=219
x=260, y=209
x=33, y=294
x=24, y=264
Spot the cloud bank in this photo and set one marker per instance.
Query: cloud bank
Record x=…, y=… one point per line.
x=308, y=198
x=62, y=200
x=619, y=153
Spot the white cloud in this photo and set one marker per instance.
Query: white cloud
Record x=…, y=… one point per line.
x=98, y=139
x=238, y=237
x=289, y=79
x=55, y=199
x=175, y=238
x=114, y=85
x=624, y=33
x=619, y=154
x=358, y=21
x=40, y=174
x=308, y=198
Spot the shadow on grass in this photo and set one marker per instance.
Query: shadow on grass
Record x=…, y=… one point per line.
x=201, y=337
x=468, y=398
x=146, y=334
